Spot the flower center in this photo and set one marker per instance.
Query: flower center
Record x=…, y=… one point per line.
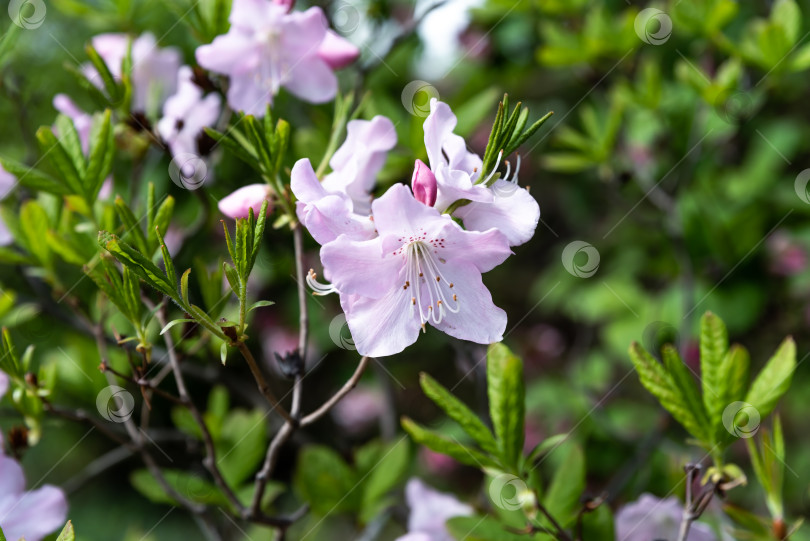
x=432, y=294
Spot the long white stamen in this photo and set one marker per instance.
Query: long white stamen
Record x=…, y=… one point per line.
x=494, y=169
x=433, y=295
x=318, y=288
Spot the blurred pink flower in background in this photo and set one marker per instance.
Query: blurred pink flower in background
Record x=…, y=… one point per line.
x=154, y=69
x=238, y=203
x=3, y=384
x=7, y=183
x=423, y=184
x=337, y=51
x=268, y=48
x=651, y=518
x=186, y=113
x=437, y=463
x=31, y=515
x=786, y=256
x=430, y=510
x=359, y=410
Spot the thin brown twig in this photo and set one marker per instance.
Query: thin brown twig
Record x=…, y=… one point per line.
x=210, y=461
x=350, y=384
x=261, y=382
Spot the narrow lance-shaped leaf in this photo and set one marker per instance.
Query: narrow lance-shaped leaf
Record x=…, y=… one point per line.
x=440, y=444
x=506, y=401
x=687, y=387
x=100, y=156
x=34, y=178
x=659, y=383
x=132, y=230
x=59, y=158
x=713, y=347
x=460, y=413
x=69, y=139
x=139, y=264
x=773, y=381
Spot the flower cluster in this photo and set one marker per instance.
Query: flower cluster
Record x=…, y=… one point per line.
x=402, y=261
x=269, y=47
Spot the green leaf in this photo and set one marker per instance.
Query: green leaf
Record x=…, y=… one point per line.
x=59, y=158
x=387, y=472
x=562, y=498
x=2, y=535
x=186, y=484
x=34, y=179
x=112, y=87
x=773, y=381
x=506, y=402
x=100, y=156
x=787, y=15
x=132, y=230
x=67, y=533
x=549, y=444
x=733, y=375
x=598, y=524
x=161, y=221
x=659, y=383
x=69, y=139
x=34, y=223
x=460, y=413
x=143, y=267
x=713, y=347
x=325, y=481
x=243, y=445
x=174, y=322
x=260, y=304
x=452, y=448
x=478, y=528
x=685, y=383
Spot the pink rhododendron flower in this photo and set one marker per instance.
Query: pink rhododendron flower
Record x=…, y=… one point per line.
x=423, y=184
x=422, y=268
x=154, y=69
x=358, y=161
x=504, y=205
x=430, y=511
x=239, y=203
x=653, y=518
x=337, y=51
x=268, y=48
x=186, y=113
x=7, y=183
x=325, y=214
x=83, y=122
x=31, y=515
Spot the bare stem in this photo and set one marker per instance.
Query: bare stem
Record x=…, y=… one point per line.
x=261, y=382
x=350, y=384
x=210, y=461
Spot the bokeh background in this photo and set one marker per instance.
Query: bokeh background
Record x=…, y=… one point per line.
x=675, y=163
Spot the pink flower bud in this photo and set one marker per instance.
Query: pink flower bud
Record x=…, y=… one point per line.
x=423, y=184
x=238, y=203
x=336, y=51
x=287, y=4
